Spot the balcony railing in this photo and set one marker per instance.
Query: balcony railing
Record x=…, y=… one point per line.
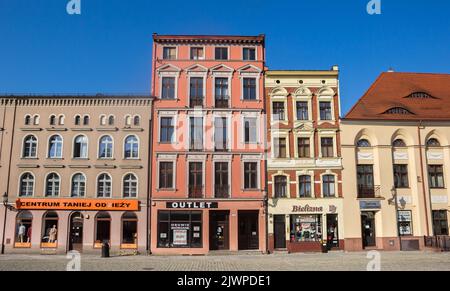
x=196, y=101
x=222, y=102
x=368, y=191
x=195, y=191
x=222, y=191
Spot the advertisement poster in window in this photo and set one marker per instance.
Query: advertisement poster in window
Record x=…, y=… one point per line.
x=404, y=219
x=180, y=233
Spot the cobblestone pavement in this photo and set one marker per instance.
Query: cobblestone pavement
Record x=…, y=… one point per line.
x=341, y=261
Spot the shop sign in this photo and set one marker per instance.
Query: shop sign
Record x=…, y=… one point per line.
x=404, y=215
x=192, y=204
x=313, y=209
x=369, y=204
x=78, y=204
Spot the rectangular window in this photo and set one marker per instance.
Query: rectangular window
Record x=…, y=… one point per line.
x=221, y=53
x=197, y=53
x=249, y=89
x=169, y=53
x=325, y=110
x=249, y=54
x=196, y=91
x=366, y=188
x=326, y=145
x=440, y=222
x=196, y=133
x=220, y=134
x=167, y=130
x=221, y=94
x=278, y=111
x=195, y=179
x=304, y=186
x=280, y=187
x=306, y=228
x=166, y=175
x=405, y=222
x=250, y=130
x=328, y=186
x=280, y=147
x=401, y=176
x=250, y=175
x=221, y=184
x=179, y=229
x=303, y=147
x=302, y=110
x=436, y=176
x=168, y=88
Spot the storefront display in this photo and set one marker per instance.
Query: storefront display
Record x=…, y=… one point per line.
x=23, y=230
x=405, y=222
x=180, y=229
x=306, y=228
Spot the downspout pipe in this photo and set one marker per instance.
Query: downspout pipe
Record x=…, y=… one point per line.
x=422, y=166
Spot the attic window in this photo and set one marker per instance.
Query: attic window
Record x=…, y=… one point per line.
x=420, y=95
x=398, y=110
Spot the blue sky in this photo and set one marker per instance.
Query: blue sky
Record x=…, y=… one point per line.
x=107, y=49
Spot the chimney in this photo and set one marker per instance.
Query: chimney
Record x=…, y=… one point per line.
x=335, y=68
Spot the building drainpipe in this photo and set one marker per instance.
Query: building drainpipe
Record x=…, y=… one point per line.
x=266, y=183
x=419, y=126
x=149, y=178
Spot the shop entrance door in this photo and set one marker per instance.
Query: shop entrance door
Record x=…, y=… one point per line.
x=248, y=236
x=219, y=230
x=279, y=231
x=368, y=229
x=76, y=232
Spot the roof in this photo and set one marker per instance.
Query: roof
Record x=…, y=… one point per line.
x=405, y=96
x=75, y=96
x=258, y=39
x=277, y=73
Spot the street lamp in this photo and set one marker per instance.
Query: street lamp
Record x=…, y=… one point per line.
x=5, y=204
x=395, y=201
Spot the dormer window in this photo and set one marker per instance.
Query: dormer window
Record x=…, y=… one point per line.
x=398, y=110
x=420, y=95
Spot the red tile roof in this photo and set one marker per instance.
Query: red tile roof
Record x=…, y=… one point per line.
x=405, y=96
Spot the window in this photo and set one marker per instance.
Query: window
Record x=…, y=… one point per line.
x=405, y=222
x=86, y=120
x=130, y=184
x=50, y=229
x=131, y=147
x=106, y=147
x=196, y=133
x=167, y=130
x=302, y=110
x=278, y=111
x=52, y=120
x=250, y=175
x=24, y=222
x=195, y=179
x=398, y=143
x=26, y=185
x=250, y=131
x=78, y=120
x=166, y=175
x=197, y=53
x=221, y=53
x=306, y=228
x=363, y=143
x=80, y=147
x=52, y=185
x=303, y=147
x=111, y=120
x=328, y=186
x=29, y=147
x=398, y=110
x=365, y=182
x=221, y=92
x=78, y=188
x=221, y=183
x=220, y=133
x=249, y=89
x=401, y=176
x=325, y=110
x=280, y=147
x=304, y=186
x=249, y=54
x=36, y=120
x=128, y=120
x=104, y=185
x=61, y=120
x=137, y=121
x=102, y=228
x=440, y=223
x=280, y=187
x=432, y=142
x=180, y=229
x=168, y=88
x=196, y=91
x=55, y=147
x=169, y=53
x=129, y=229
x=103, y=120
x=436, y=176
x=326, y=145
x=28, y=120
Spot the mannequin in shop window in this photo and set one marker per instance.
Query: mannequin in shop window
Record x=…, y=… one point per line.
x=21, y=233
x=29, y=234
x=52, y=234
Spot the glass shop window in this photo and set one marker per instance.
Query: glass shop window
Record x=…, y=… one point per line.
x=129, y=228
x=180, y=229
x=49, y=229
x=306, y=228
x=102, y=228
x=23, y=229
x=405, y=222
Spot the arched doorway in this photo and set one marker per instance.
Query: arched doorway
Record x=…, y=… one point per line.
x=76, y=232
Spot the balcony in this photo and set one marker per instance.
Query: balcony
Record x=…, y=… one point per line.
x=196, y=146
x=365, y=191
x=222, y=102
x=196, y=102
x=195, y=191
x=221, y=191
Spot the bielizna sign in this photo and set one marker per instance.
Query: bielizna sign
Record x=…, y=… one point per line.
x=192, y=204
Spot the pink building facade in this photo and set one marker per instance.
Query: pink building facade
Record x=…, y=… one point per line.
x=208, y=182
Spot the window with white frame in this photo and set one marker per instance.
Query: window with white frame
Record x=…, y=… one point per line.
x=131, y=147
x=105, y=147
x=328, y=186
x=325, y=110
x=52, y=185
x=80, y=147
x=166, y=175
x=30, y=147
x=26, y=188
x=168, y=88
x=169, y=53
x=130, y=186
x=249, y=88
x=78, y=186
x=304, y=186
x=250, y=130
x=55, y=145
x=104, y=186
x=249, y=54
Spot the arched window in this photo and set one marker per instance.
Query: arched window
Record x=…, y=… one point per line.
x=23, y=231
x=52, y=120
x=328, y=186
x=129, y=229
x=432, y=142
x=78, y=120
x=36, y=120
x=137, y=121
x=104, y=186
x=103, y=120
x=130, y=184
x=61, y=120
x=128, y=120
x=131, y=147
x=55, y=147
x=106, y=147
x=304, y=184
x=102, y=228
x=86, y=120
x=78, y=188
x=399, y=143
x=49, y=230
x=80, y=147
x=26, y=185
x=27, y=120
x=363, y=143
x=29, y=147
x=111, y=120
x=280, y=187
x=52, y=185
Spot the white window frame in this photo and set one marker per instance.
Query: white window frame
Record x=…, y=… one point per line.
x=98, y=148
x=169, y=159
x=304, y=134
x=20, y=184
x=123, y=185
x=169, y=46
x=258, y=128
x=311, y=175
x=249, y=47
x=23, y=147
x=327, y=133
x=280, y=134
x=73, y=147
x=174, y=116
x=221, y=159
x=46, y=184
x=49, y=144
x=196, y=159
x=96, y=186
x=251, y=158
x=228, y=52
x=71, y=183
x=229, y=140
x=138, y=150
x=288, y=184
x=197, y=46
x=336, y=190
